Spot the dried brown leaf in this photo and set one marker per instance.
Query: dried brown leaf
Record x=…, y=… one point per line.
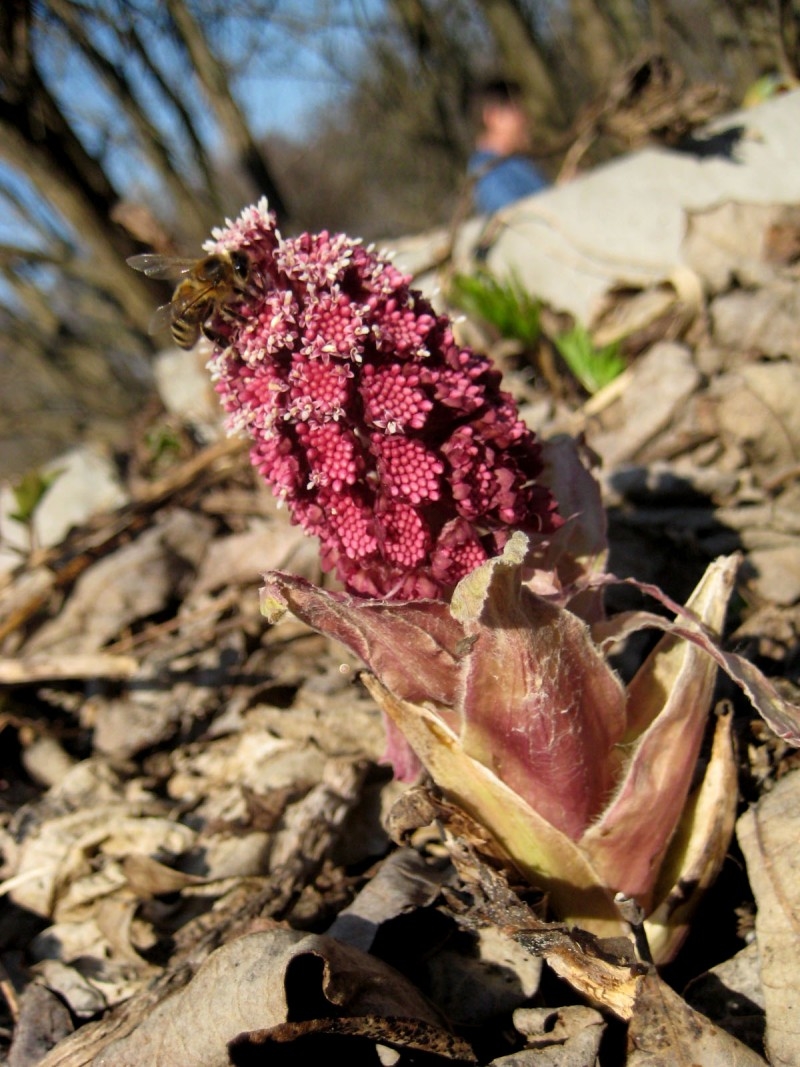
x=149, y=878
x=665, y=1032
x=257, y=982
x=780, y=714
x=136, y=581
x=602, y=970
x=557, y=1037
x=43, y=1020
x=768, y=836
x=404, y=1035
x=402, y=883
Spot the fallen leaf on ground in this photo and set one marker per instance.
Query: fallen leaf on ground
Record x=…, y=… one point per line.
x=665, y=1032
x=768, y=837
x=259, y=981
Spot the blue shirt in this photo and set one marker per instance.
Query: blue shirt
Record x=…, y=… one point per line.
x=502, y=182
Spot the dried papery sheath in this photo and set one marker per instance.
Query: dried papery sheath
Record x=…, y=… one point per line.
x=385, y=438
x=513, y=711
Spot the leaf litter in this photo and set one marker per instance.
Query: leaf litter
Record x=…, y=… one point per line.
x=204, y=861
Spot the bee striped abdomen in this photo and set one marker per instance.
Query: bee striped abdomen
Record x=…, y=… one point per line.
x=209, y=286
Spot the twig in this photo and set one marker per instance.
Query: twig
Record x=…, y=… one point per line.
x=65, y=668
x=9, y=993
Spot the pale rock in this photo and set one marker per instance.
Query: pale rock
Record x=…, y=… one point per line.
x=184, y=386
x=660, y=384
x=86, y=485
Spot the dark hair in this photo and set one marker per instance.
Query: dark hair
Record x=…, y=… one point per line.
x=498, y=91
x=493, y=92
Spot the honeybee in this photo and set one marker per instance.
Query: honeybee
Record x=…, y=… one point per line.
x=210, y=285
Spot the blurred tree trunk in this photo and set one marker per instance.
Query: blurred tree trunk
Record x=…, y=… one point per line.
x=39, y=142
x=132, y=40
x=761, y=31
x=191, y=205
x=630, y=24
x=446, y=69
x=525, y=61
x=598, y=43
x=746, y=38
x=214, y=79
x=789, y=19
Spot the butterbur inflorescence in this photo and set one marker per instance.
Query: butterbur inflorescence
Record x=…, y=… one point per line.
x=385, y=438
x=488, y=656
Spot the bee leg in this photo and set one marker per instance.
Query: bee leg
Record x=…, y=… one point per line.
x=214, y=337
x=226, y=314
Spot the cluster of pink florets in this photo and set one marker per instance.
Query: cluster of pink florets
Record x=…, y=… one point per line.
x=388, y=441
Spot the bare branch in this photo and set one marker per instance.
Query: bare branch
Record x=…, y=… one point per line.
x=214, y=79
x=152, y=143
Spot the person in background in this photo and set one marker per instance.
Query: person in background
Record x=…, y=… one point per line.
x=499, y=166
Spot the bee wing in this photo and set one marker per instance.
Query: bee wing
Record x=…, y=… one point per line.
x=177, y=307
x=162, y=318
x=155, y=265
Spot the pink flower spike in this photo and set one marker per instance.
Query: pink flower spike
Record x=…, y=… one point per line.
x=363, y=410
